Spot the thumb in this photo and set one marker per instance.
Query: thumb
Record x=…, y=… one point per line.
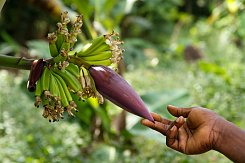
x=177, y=112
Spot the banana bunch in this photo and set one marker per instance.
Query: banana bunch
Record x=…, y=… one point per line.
x=66, y=74
x=54, y=90
x=56, y=87
x=103, y=50
x=62, y=41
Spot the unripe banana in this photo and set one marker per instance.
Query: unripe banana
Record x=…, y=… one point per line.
x=58, y=59
x=61, y=57
x=101, y=48
x=63, y=98
x=106, y=62
x=39, y=89
x=99, y=56
x=73, y=69
x=45, y=79
x=52, y=45
x=54, y=89
x=66, y=45
x=60, y=40
x=64, y=86
x=53, y=49
x=97, y=42
x=62, y=30
x=69, y=79
x=38, y=94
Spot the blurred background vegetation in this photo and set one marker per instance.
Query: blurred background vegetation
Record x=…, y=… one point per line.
x=179, y=52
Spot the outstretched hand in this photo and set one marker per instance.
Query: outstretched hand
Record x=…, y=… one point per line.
x=196, y=130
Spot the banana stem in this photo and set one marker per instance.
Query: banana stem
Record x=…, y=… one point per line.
x=25, y=64
x=15, y=62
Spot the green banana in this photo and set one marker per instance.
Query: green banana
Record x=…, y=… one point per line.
x=54, y=89
x=69, y=79
x=66, y=44
x=100, y=56
x=39, y=89
x=103, y=47
x=53, y=49
x=52, y=45
x=93, y=46
x=73, y=69
x=82, y=78
x=45, y=79
x=63, y=97
x=62, y=82
x=59, y=58
x=106, y=62
x=85, y=47
x=62, y=30
x=60, y=40
x=38, y=94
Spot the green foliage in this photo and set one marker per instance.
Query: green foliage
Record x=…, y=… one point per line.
x=26, y=137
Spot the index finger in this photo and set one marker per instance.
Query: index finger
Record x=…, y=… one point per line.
x=158, y=126
x=163, y=127
x=158, y=118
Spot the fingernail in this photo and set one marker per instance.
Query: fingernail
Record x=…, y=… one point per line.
x=177, y=120
x=172, y=128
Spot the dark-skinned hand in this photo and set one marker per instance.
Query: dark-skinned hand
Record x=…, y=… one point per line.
x=196, y=130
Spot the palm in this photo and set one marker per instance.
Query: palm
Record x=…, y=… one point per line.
x=193, y=136
x=196, y=139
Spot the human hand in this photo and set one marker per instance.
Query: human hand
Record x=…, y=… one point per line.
x=196, y=134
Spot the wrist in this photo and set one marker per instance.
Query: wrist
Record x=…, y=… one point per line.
x=230, y=141
x=220, y=128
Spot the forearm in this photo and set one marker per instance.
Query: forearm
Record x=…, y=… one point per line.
x=231, y=142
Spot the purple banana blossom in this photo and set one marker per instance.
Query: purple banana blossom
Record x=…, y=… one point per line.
x=35, y=74
x=113, y=87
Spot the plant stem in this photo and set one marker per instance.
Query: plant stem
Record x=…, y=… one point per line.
x=15, y=62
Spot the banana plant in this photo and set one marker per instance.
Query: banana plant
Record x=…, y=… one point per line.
x=78, y=74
